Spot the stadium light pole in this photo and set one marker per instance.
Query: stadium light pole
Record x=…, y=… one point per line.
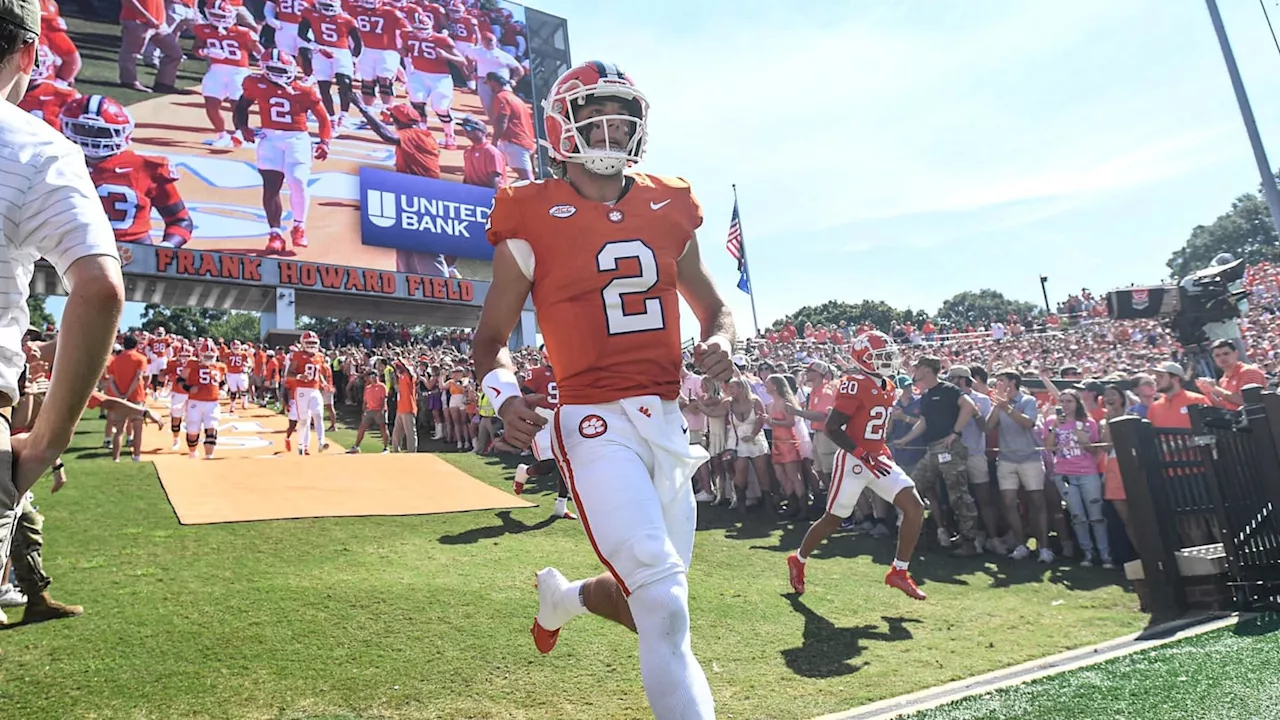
x=1246, y=114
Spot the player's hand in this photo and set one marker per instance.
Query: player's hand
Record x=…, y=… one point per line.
x=1206, y=386
x=322, y=151
x=248, y=134
x=29, y=461
x=520, y=421
x=713, y=357
x=877, y=464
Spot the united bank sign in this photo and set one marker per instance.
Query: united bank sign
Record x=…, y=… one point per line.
x=419, y=214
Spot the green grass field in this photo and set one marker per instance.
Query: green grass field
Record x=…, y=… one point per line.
x=428, y=617
x=1228, y=674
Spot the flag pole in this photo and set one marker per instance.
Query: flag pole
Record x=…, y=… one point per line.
x=747, y=264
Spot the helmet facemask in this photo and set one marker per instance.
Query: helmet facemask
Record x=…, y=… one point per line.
x=573, y=146
x=97, y=138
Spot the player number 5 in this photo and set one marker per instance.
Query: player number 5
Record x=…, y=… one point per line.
x=206, y=377
x=328, y=33
x=618, y=320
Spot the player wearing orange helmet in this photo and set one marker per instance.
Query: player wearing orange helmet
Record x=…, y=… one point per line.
x=46, y=95
x=382, y=26
x=306, y=368
x=177, y=373
x=429, y=80
x=284, y=152
x=203, y=380
x=541, y=384
x=609, y=309
x=857, y=424
x=53, y=33
x=229, y=48
x=331, y=43
x=129, y=184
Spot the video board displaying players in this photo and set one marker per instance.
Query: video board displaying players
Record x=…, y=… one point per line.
x=307, y=111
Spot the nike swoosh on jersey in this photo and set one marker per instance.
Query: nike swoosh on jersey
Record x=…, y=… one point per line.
x=124, y=170
x=496, y=392
x=658, y=206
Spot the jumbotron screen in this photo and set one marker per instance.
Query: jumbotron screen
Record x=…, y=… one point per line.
x=440, y=113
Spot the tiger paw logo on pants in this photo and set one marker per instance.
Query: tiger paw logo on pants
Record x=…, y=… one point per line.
x=592, y=426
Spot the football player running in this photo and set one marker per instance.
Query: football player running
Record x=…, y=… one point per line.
x=284, y=152
x=542, y=385
x=46, y=95
x=228, y=48
x=331, y=54
x=202, y=383
x=306, y=367
x=857, y=424
x=609, y=309
x=129, y=184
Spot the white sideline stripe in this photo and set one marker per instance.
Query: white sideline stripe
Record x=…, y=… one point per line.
x=1035, y=669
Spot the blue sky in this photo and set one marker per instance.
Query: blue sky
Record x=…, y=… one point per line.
x=908, y=151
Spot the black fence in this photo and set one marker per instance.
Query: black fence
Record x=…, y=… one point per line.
x=1216, y=482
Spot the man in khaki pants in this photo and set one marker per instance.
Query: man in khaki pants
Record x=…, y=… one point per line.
x=142, y=21
x=56, y=214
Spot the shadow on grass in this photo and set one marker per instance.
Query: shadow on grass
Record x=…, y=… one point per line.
x=1263, y=624
x=508, y=526
x=826, y=651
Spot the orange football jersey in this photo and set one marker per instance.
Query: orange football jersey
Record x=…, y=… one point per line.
x=237, y=362
x=330, y=30
x=604, y=281
x=465, y=29
x=204, y=379
x=283, y=107
x=158, y=347
x=420, y=48
x=868, y=402
x=130, y=185
x=290, y=11
x=308, y=367
x=380, y=27
x=46, y=99
x=542, y=381
x=236, y=44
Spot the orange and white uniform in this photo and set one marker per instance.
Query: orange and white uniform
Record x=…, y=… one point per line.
x=157, y=349
x=130, y=185
x=307, y=370
x=229, y=51
x=175, y=373
x=380, y=29
x=45, y=99
x=868, y=401
x=205, y=380
x=542, y=381
x=429, y=79
x=238, y=370
x=286, y=145
x=288, y=13
x=604, y=283
x=331, y=41
x=53, y=31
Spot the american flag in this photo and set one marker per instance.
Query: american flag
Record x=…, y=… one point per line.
x=734, y=243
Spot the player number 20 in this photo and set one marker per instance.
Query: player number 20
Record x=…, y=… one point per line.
x=619, y=321
x=281, y=110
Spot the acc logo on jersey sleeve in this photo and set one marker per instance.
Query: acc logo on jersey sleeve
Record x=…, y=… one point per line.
x=592, y=426
x=562, y=211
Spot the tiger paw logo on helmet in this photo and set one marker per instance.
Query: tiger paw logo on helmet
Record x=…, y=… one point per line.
x=592, y=426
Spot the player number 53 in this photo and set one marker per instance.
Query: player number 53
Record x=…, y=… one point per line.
x=206, y=376
x=619, y=321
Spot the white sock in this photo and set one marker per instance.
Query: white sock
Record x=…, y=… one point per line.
x=562, y=504
x=573, y=597
x=801, y=558
x=673, y=680
x=900, y=565
x=299, y=197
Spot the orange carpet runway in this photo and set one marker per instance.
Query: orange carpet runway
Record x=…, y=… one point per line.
x=252, y=477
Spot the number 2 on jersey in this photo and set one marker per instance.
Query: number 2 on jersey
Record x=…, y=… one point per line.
x=877, y=423
x=281, y=110
x=618, y=320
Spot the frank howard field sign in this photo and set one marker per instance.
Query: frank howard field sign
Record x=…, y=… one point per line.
x=408, y=212
x=243, y=269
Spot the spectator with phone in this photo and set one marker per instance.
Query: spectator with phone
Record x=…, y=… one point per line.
x=1071, y=437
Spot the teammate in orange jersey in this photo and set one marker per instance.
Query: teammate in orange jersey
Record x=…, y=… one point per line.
x=857, y=424
x=332, y=42
x=429, y=81
x=284, y=16
x=465, y=31
x=177, y=372
x=306, y=367
x=158, y=350
x=381, y=28
x=228, y=48
x=46, y=96
x=129, y=184
x=608, y=304
x=541, y=390
x=203, y=380
x=284, y=153
x=53, y=32
x=238, y=361
x=289, y=403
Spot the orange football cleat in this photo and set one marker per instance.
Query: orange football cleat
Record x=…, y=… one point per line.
x=900, y=579
x=796, y=569
x=298, y=235
x=288, y=445
x=568, y=515
x=275, y=242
